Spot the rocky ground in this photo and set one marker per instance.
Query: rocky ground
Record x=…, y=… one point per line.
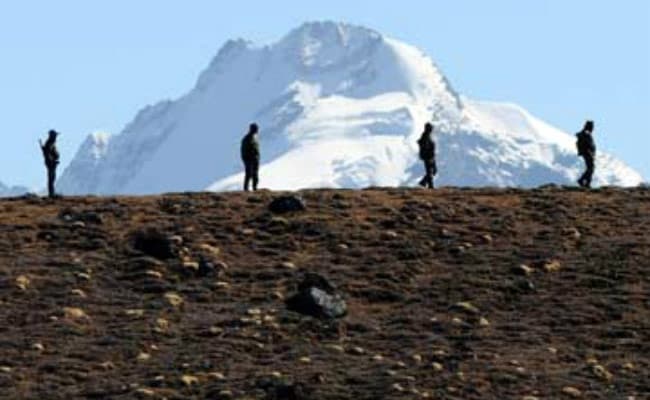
x=451, y=294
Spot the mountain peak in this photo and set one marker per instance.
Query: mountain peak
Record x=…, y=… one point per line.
x=326, y=44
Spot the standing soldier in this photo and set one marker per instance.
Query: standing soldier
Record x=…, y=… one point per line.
x=587, y=150
x=51, y=156
x=428, y=156
x=250, y=154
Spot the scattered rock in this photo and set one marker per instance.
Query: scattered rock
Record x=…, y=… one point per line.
x=466, y=307
x=571, y=391
x=523, y=270
x=316, y=297
x=437, y=366
x=143, y=356
x=189, y=380
x=174, y=299
x=552, y=266
x=38, y=347
x=287, y=204
x=601, y=372
x=483, y=322
x=74, y=313
x=22, y=282
x=154, y=243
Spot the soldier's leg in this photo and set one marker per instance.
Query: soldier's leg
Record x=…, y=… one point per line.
x=581, y=181
x=423, y=181
x=589, y=174
x=429, y=176
x=256, y=174
x=51, y=176
x=247, y=176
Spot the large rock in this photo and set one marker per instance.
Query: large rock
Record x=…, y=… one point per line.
x=287, y=204
x=318, y=298
x=154, y=243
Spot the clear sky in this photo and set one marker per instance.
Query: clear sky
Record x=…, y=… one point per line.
x=81, y=66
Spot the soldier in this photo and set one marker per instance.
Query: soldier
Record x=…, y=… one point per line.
x=250, y=154
x=428, y=156
x=587, y=150
x=51, y=156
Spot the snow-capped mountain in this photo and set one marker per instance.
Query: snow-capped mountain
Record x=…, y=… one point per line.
x=10, y=191
x=339, y=106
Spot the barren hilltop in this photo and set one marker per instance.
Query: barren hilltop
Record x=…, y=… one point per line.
x=450, y=294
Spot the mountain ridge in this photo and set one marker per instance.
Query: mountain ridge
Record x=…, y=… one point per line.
x=322, y=86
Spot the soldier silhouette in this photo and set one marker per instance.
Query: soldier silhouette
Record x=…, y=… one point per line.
x=587, y=150
x=428, y=156
x=51, y=157
x=250, y=154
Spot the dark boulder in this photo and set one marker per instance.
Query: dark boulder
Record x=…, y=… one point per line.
x=318, y=298
x=287, y=204
x=154, y=243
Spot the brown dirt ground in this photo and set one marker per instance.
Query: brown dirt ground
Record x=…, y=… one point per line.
x=85, y=315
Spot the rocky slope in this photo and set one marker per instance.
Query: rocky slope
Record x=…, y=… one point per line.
x=451, y=294
x=340, y=106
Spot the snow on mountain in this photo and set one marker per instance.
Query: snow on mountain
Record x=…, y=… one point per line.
x=11, y=191
x=339, y=106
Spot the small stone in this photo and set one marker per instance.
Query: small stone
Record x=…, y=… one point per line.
x=571, y=391
x=378, y=357
x=629, y=366
x=523, y=269
x=191, y=266
x=189, y=380
x=143, y=356
x=74, y=313
x=215, y=330
x=78, y=224
x=83, y=276
x=276, y=374
x=400, y=364
x=225, y=394
x=38, y=347
x=248, y=232
x=22, y=282
x=255, y=312
x=602, y=373
x=288, y=265
x=136, y=313
x=388, y=235
x=174, y=299
x=342, y=246
x=552, y=350
x=336, y=347
x=305, y=360
x=357, y=350
x=78, y=292
x=530, y=398
x=487, y=238
x=552, y=266
x=145, y=392
x=222, y=285
x=417, y=358
x=162, y=325
x=209, y=249
x=466, y=306
x=216, y=375
x=154, y=274
x=437, y=366
x=5, y=369
x=107, y=365
x=483, y=322
x=397, y=387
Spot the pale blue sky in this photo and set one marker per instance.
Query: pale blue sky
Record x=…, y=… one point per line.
x=81, y=66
